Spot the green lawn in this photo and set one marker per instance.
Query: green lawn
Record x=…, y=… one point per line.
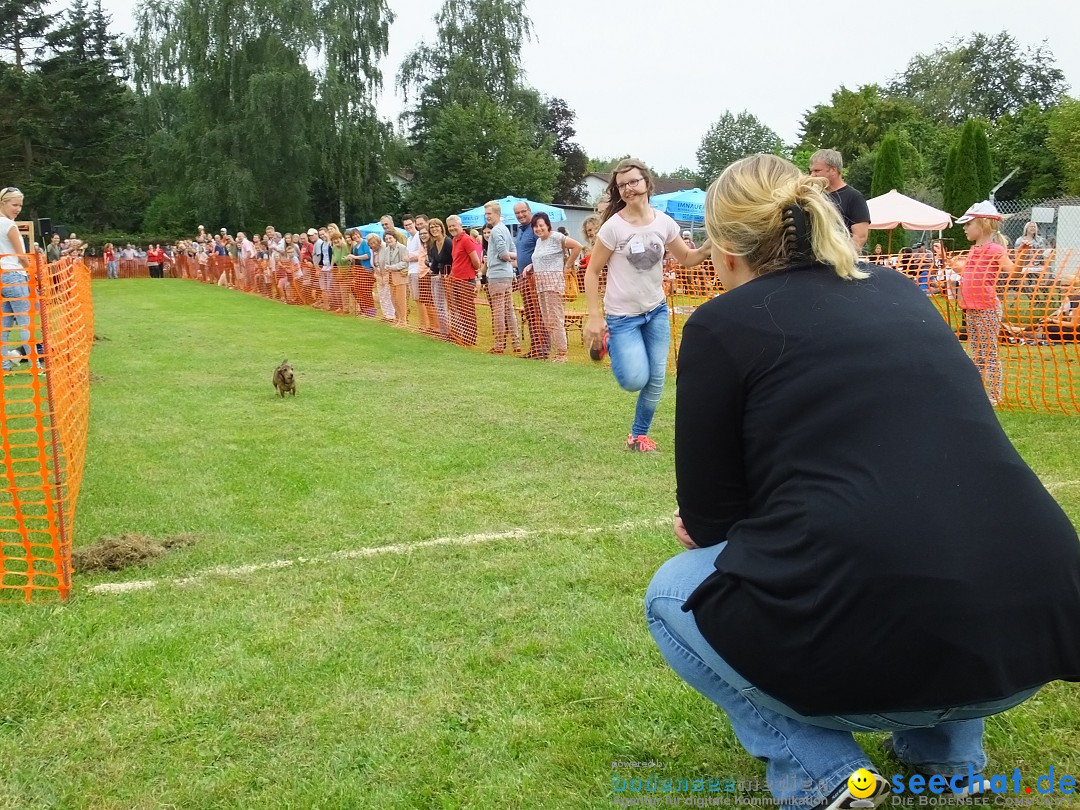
x=510, y=672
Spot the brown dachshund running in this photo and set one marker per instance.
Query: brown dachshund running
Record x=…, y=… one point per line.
x=284, y=381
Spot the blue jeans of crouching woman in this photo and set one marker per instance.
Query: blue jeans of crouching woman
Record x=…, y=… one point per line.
x=638, y=345
x=16, y=303
x=805, y=757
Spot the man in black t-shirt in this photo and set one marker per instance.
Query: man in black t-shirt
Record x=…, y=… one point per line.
x=850, y=202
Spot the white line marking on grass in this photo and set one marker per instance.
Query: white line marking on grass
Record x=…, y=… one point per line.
x=1052, y=485
x=235, y=571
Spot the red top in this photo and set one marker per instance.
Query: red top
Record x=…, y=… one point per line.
x=155, y=256
x=305, y=251
x=109, y=254
x=462, y=267
x=978, y=282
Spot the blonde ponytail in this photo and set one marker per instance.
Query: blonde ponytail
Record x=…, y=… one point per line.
x=763, y=209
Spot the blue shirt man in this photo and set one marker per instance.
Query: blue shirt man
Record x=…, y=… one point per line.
x=526, y=239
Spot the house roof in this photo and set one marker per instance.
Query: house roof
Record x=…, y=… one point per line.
x=663, y=186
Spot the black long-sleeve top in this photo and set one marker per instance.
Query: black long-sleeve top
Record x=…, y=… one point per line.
x=888, y=548
x=441, y=260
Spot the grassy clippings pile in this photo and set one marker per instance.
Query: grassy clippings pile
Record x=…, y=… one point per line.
x=503, y=674
x=125, y=551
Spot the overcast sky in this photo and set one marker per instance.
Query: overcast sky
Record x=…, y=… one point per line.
x=649, y=77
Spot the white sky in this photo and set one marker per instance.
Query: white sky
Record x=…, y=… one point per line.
x=649, y=77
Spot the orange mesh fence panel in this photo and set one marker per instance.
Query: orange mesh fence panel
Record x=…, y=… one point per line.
x=687, y=288
x=44, y=392
x=1033, y=365
x=125, y=268
x=1037, y=351
x=1038, y=345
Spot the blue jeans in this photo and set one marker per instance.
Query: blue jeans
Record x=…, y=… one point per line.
x=110, y=270
x=638, y=345
x=16, y=303
x=805, y=757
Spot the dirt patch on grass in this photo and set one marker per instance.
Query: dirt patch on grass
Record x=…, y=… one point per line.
x=100, y=338
x=126, y=551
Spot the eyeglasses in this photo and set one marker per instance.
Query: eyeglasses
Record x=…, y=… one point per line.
x=630, y=183
x=9, y=190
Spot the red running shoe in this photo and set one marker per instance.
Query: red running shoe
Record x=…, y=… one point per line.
x=640, y=444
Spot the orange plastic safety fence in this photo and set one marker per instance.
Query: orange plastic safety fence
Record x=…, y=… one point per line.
x=44, y=395
x=1038, y=354
x=1033, y=365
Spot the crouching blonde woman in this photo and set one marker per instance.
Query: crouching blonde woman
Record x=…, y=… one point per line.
x=845, y=563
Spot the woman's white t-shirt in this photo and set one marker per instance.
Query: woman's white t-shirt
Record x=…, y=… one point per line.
x=7, y=249
x=635, y=283
x=548, y=262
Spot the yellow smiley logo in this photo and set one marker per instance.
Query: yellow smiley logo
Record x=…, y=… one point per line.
x=862, y=784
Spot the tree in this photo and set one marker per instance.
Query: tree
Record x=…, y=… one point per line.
x=474, y=65
x=605, y=165
x=23, y=24
x=1021, y=141
x=980, y=77
x=558, y=121
x=855, y=121
x=1064, y=142
x=888, y=175
x=984, y=164
x=354, y=36
x=962, y=187
x=684, y=173
x=74, y=126
x=230, y=110
x=477, y=153
x=476, y=55
x=731, y=138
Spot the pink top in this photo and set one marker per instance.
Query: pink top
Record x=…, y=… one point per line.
x=979, y=279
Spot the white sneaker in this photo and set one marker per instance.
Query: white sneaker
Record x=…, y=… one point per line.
x=844, y=797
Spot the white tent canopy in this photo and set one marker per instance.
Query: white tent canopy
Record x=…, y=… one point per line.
x=892, y=209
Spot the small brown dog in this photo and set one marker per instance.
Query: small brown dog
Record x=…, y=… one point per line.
x=284, y=381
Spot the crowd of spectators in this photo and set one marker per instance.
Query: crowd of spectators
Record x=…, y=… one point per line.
x=428, y=269
x=436, y=273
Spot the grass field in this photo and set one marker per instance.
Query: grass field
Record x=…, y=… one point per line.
x=504, y=672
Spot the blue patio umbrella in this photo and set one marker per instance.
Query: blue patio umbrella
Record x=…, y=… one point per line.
x=370, y=228
x=683, y=206
x=474, y=217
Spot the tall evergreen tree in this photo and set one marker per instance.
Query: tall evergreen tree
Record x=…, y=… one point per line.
x=888, y=175
x=79, y=153
x=962, y=187
x=984, y=164
x=23, y=24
